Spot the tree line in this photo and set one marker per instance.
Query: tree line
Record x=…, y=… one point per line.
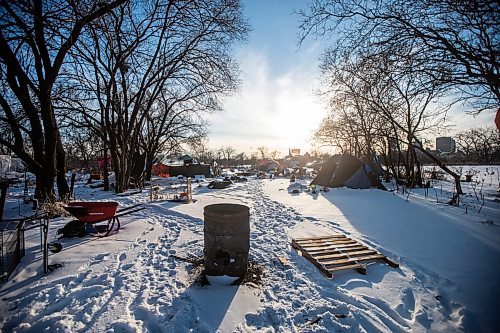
x=395, y=68
x=125, y=78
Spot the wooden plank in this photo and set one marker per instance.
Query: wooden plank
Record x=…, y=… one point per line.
x=325, y=250
x=369, y=257
x=343, y=254
x=354, y=249
x=354, y=254
x=318, y=248
x=283, y=260
x=314, y=261
x=315, y=245
x=315, y=254
x=338, y=262
x=355, y=259
x=295, y=245
x=349, y=247
x=330, y=246
x=319, y=238
x=339, y=268
x=390, y=262
x=313, y=241
x=342, y=241
x=326, y=245
x=332, y=250
x=332, y=255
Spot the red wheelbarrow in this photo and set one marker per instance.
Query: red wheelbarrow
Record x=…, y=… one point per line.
x=93, y=212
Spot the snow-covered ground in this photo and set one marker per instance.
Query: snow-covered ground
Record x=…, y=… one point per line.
x=134, y=281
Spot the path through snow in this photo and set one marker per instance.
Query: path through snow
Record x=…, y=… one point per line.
x=140, y=285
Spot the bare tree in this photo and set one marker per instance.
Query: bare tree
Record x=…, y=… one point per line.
x=481, y=145
x=171, y=123
x=200, y=151
x=81, y=147
x=404, y=99
x=274, y=154
x=154, y=67
x=455, y=42
x=386, y=100
x=228, y=153
x=35, y=38
x=263, y=152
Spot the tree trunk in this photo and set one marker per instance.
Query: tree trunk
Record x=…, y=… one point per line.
x=44, y=190
x=62, y=183
x=456, y=177
x=105, y=173
x=137, y=168
x=149, y=166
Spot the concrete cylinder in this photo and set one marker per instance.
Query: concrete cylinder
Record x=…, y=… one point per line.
x=227, y=239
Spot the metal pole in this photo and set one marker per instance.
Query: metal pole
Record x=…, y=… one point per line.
x=45, y=224
x=72, y=186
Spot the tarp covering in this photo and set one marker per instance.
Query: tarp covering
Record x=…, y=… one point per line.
x=267, y=165
x=186, y=159
x=100, y=162
x=5, y=161
x=346, y=170
x=163, y=170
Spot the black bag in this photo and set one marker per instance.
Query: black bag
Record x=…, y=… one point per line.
x=72, y=229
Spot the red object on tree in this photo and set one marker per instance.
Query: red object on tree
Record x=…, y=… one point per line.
x=100, y=162
x=497, y=119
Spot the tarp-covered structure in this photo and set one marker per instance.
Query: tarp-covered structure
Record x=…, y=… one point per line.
x=5, y=161
x=347, y=170
x=159, y=169
x=163, y=170
x=186, y=159
x=268, y=165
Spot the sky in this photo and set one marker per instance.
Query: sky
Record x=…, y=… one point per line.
x=276, y=105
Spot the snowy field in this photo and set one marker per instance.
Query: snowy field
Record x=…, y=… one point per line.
x=134, y=281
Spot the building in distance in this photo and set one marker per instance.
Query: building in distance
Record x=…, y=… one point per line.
x=445, y=144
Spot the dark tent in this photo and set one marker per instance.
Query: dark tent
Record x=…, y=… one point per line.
x=186, y=159
x=268, y=165
x=346, y=170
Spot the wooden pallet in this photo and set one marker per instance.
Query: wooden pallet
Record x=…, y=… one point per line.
x=337, y=252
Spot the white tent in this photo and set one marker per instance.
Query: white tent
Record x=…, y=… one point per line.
x=5, y=162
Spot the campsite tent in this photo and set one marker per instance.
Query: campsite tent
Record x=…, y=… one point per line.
x=186, y=159
x=346, y=170
x=267, y=165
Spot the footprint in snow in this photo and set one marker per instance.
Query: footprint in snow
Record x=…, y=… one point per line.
x=127, y=266
x=100, y=257
x=406, y=308
x=121, y=328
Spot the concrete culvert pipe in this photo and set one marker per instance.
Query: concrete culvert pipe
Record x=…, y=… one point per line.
x=227, y=239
